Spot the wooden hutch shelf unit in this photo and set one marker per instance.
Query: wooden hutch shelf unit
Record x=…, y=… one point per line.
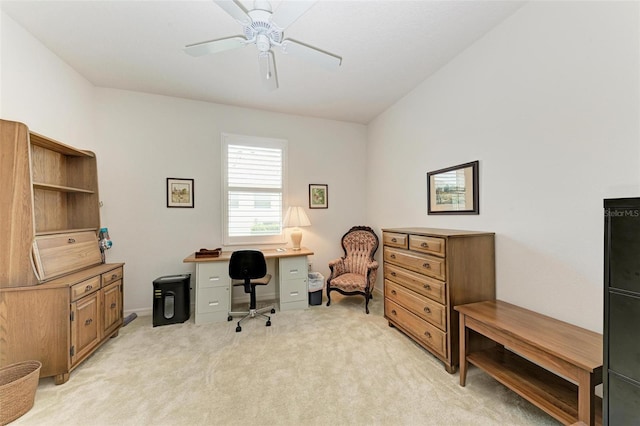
x=429, y=271
x=58, y=302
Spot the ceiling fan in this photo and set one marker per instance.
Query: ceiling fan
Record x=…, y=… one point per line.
x=265, y=29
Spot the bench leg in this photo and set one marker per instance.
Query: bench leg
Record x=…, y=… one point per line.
x=464, y=337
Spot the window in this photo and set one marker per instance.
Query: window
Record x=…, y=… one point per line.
x=254, y=183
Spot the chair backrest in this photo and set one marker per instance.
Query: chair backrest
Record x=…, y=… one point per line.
x=360, y=244
x=247, y=265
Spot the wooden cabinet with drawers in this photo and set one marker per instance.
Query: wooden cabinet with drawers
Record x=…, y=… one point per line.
x=58, y=301
x=61, y=322
x=429, y=271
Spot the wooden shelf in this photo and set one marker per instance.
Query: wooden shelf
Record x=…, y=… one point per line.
x=64, y=231
x=60, y=188
x=56, y=146
x=544, y=389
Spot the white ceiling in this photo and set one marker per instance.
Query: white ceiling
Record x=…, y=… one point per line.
x=388, y=48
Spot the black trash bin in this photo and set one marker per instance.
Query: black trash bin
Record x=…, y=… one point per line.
x=171, y=299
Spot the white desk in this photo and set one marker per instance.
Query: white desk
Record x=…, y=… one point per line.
x=213, y=291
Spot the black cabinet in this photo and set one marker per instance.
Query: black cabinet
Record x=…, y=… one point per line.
x=621, y=370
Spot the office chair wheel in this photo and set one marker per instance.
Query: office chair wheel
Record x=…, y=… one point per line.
x=273, y=310
x=229, y=318
x=269, y=323
x=238, y=329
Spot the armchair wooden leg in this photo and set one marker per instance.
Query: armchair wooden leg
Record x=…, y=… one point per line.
x=328, y=296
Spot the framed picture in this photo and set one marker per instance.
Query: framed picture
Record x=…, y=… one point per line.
x=318, y=196
x=179, y=192
x=453, y=190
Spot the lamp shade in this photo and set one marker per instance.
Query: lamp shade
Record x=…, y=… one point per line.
x=295, y=218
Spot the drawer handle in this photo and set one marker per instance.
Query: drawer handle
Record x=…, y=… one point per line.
x=87, y=322
x=424, y=245
x=113, y=305
x=427, y=287
x=393, y=274
x=426, y=265
x=393, y=312
x=427, y=310
x=214, y=278
x=393, y=292
x=393, y=240
x=114, y=276
x=71, y=240
x=393, y=256
x=214, y=303
x=88, y=287
x=426, y=333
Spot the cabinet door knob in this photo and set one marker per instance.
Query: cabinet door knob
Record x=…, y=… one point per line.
x=88, y=287
x=393, y=312
x=426, y=265
x=393, y=256
x=113, y=305
x=393, y=274
x=393, y=240
x=425, y=245
x=426, y=333
x=393, y=292
x=427, y=310
x=71, y=240
x=87, y=322
x=114, y=276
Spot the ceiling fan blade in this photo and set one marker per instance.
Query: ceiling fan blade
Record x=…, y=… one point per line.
x=320, y=57
x=235, y=9
x=215, y=46
x=268, y=70
x=289, y=11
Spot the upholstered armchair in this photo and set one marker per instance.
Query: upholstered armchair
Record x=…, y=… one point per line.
x=355, y=272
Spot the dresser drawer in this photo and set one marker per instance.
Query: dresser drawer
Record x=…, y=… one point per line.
x=393, y=239
x=213, y=299
x=421, y=306
x=422, y=263
x=85, y=287
x=61, y=254
x=422, y=330
x=419, y=283
x=429, y=245
x=111, y=276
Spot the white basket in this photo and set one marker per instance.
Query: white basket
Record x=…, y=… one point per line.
x=316, y=281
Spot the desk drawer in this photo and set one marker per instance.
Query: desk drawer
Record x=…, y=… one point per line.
x=293, y=290
x=421, y=306
x=293, y=268
x=420, y=329
x=213, y=274
x=213, y=299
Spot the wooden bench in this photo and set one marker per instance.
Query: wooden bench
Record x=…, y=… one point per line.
x=552, y=364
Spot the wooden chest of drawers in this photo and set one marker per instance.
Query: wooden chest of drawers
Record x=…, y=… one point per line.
x=429, y=271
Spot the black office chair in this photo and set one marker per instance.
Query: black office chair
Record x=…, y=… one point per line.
x=248, y=268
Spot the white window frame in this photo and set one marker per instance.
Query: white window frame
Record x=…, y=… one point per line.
x=234, y=139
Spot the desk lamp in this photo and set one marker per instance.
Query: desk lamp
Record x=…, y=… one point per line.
x=295, y=218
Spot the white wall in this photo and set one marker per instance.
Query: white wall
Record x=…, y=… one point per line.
x=549, y=103
x=141, y=139
x=42, y=91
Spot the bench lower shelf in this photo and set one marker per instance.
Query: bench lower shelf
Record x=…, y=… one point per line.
x=547, y=391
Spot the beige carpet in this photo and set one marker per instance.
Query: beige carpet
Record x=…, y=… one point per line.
x=321, y=366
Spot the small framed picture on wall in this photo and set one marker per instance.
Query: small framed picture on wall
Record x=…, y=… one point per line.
x=318, y=196
x=180, y=192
